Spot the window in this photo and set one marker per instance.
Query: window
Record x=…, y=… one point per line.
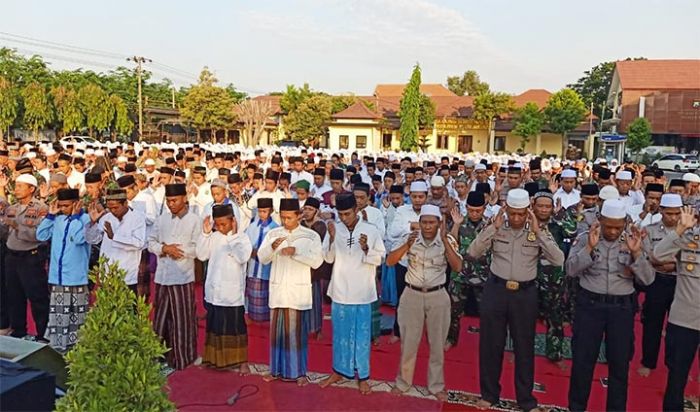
x=499, y=144
x=360, y=142
x=442, y=141
x=386, y=140
x=344, y=141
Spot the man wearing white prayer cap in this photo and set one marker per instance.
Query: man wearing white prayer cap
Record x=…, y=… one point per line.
x=567, y=193
x=509, y=300
x=607, y=259
x=425, y=302
x=692, y=189
x=659, y=295
x=624, y=180
x=609, y=193
x=405, y=222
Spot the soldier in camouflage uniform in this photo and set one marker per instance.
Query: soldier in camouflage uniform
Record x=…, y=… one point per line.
x=470, y=281
x=551, y=279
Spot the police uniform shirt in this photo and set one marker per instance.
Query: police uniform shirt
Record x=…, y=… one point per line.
x=609, y=268
x=427, y=263
x=586, y=219
x=27, y=218
x=685, y=309
x=655, y=233
x=515, y=252
x=650, y=218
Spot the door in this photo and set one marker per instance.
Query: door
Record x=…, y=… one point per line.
x=465, y=144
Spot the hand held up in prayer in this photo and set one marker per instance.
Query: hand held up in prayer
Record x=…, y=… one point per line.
x=288, y=251
x=94, y=213
x=385, y=202
x=557, y=206
x=331, y=231
x=364, y=215
x=76, y=208
x=415, y=226
x=593, y=236
x=634, y=241
x=206, y=225
x=457, y=217
x=553, y=185
x=687, y=220
x=277, y=242
x=363, y=243
x=43, y=190
x=108, y=230
x=499, y=219
x=53, y=207
x=532, y=220
x=3, y=180
x=412, y=238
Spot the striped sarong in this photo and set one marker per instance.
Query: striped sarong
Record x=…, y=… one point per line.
x=143, y=283
x=351, y=339
x=257, y=293
x=226, y=342
x=175, y=322
x=289, y=329
x=68, y=307
x=316, y=313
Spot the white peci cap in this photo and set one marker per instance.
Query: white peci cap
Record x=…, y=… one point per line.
x=609, y=192
x=437, y=181
x=671, y=200
x=614, y=209
x=28, y=179
x=480, y=166
x=691, y=177
x=623, y=175
x=430, y=210
x=150, y=162
x=419, y=186
x=568, y=173
x=122, y=159
x=518, y=198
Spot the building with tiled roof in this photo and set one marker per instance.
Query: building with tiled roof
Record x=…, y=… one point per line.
x=665, y=92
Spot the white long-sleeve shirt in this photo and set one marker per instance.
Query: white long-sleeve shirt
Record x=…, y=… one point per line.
x=376, y=218
x=401, y=228
x=567, y=199
x=290, y=278
x=303, y=175
x=226, y=276
x=170, y=229
x=353, y=277
x=127, y=243
x=202, y=198
x=145, y=203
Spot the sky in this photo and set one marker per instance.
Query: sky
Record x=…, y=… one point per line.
x=349, y=46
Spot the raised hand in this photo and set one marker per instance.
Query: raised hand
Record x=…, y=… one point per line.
x=499, y=219
x=687, y=220
x=77, y=207
x=44, y=190
x=207, y=225
x=53, y=207
x=94, y=213
x=557, y=206
x=331, y=230
x=412, y=238
x=594, y=235
x=364, y=215
x=363, y=242
x=634, y=240
x=532, y=219
x=3, y=180
x=457, y=217
x=385, y=202
x=553, y=185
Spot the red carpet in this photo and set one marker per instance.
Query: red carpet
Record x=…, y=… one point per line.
x=202, y=385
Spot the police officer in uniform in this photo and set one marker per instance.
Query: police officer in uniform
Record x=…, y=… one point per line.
x=606, y=260
x=25, y=258
x=510, y=297
x=683, y=330
x=659, y=295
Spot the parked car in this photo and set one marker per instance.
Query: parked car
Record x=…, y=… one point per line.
x=677, y=162
x=78, y=139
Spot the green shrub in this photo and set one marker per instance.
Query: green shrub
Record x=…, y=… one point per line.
x=114, y=366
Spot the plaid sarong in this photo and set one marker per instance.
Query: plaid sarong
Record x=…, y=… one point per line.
x=67, y=309
x=257, y=293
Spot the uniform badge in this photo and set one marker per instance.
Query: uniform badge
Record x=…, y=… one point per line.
x=696, y=237
x=692, y=245
x=531, y=237
x=690, y=266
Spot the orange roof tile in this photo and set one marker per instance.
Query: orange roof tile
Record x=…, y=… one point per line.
x=357, y=111
x=537, y=96
x=429, y=89
x=659, y=74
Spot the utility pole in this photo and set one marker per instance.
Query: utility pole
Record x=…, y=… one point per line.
x=139, y=60
x=173, y=90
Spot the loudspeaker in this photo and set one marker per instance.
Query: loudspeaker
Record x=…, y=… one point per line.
x=36, y=355
x=23, y=388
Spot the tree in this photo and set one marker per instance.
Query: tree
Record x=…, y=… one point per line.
x=207, y=106
x=594, y=86
x=638, y=135
x=488, y=106
x=9, y=103
x=254, y=114
x=528, y=122
x=68, y=112
x=409, y=111
x=121, y=124
x=96, y=108
x=293, y=97
x=236, y=95
x=564, y=111
x=469, y=84
x=309, y=121
x=426, y=114
x=37, y=108
x=114, y=366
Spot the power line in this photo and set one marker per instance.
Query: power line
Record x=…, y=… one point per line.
x=59, y=48
x=84, y=49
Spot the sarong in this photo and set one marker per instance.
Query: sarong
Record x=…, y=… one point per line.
x=351, y=339
x=226, y=342
x=376, y=319
x=316, y=313
x=257, y=293
x=289, y=329
x=143, y=284
x=389, y=294
x=175, y=322
x=67, y=310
